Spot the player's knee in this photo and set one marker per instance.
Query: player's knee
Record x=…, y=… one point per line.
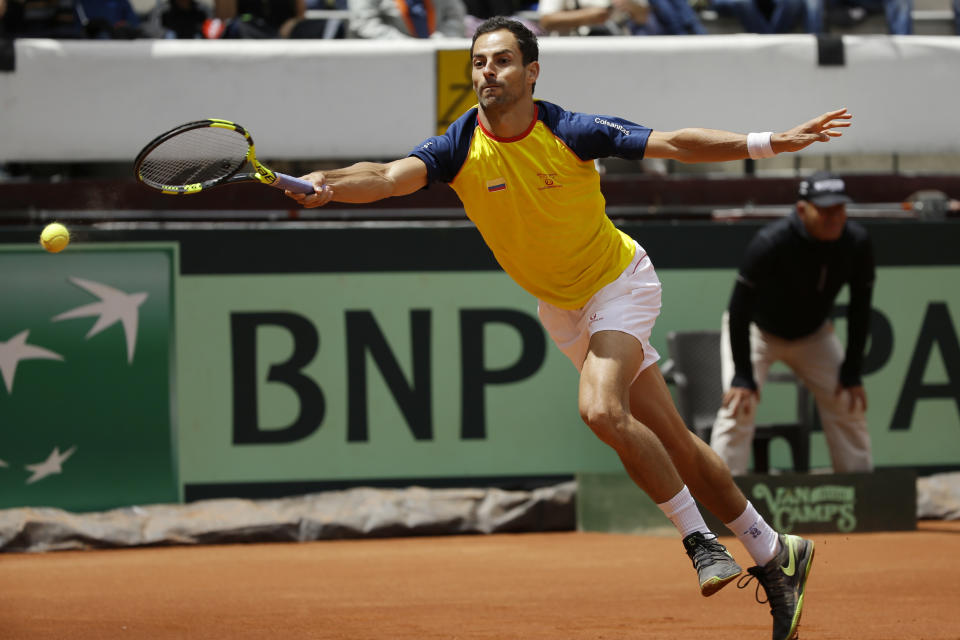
x=607, y=420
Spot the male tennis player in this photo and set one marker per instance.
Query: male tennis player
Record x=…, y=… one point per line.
x=525, y=173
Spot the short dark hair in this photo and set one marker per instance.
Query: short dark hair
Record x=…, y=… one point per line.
x=526, y=39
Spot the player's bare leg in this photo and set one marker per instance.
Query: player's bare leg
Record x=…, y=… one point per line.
x=604, y=401
x=711, y=483
x=605, y=405
x=700, y=467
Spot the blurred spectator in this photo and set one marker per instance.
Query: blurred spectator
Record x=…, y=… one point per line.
x=775, y=16
x=593, y=17
x=42, y=19
x=480, y=10
x=899, y=14
x=956, y=16
x=484, y=9
x=256, y=18
x=390, y=19
x=677, y=18
x=109, y=19
x=846, y=13
x=184, y=19
x=334, y=26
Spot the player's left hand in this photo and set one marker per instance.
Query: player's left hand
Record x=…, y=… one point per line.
x=820, y=129
x=857, y=395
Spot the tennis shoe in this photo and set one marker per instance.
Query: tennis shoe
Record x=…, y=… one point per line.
x=784, y=579
x=714, y=564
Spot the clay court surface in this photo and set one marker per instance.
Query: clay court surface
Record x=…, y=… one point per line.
x=877, y=586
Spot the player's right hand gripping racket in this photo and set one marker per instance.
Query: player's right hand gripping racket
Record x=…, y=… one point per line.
x=207, y=153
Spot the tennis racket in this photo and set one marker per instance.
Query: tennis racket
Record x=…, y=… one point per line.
x=197, y=156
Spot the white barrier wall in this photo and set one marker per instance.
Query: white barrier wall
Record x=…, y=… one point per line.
x=101, y=101
x=904, y=91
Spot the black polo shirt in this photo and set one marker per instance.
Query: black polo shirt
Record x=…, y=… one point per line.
x=788, y=283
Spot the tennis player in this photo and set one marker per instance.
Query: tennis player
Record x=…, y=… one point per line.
x=524, y=170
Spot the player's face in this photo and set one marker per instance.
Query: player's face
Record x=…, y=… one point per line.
x=823, y=223
x=500, y=78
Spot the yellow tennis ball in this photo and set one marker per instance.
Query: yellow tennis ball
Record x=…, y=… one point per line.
x=55, y=237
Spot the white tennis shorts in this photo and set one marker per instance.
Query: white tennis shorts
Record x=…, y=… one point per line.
x=630, y=304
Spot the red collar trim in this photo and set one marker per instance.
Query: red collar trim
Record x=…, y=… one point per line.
x=536, y=116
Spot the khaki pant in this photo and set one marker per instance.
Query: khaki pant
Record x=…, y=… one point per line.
x=815, y=360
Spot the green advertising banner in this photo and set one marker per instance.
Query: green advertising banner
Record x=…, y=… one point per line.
x=313, y=358
x=294, y=378
x=85, y=354
x=364, y=376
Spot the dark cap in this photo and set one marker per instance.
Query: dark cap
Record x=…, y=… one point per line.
x=823, y=189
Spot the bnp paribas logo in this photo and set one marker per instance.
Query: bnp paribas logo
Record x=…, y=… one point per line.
x=792, y=506
x=86, y=362
x=109, y=306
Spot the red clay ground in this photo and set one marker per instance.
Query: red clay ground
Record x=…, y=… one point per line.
x=883, y=586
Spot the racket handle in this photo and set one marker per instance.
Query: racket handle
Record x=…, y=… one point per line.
x=290, y=183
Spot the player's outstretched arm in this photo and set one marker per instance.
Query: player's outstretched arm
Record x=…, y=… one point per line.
x=364, y=182
x=713, y=145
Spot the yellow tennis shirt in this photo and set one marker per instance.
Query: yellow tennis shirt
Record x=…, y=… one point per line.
x=536, y=198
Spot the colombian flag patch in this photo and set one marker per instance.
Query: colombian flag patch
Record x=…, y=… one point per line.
x=497, y=184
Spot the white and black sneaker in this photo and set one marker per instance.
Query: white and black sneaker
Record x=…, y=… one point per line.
x=714, y=564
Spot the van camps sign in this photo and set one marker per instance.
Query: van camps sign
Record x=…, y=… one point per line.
x=793, y=507
x=884, y=500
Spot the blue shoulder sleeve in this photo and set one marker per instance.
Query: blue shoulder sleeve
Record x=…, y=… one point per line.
x=595, y=136
x=444, y=155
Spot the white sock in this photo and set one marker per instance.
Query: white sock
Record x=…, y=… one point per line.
x=683, y=513
x=761, y=541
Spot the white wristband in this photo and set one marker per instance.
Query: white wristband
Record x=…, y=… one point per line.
x=758, y=145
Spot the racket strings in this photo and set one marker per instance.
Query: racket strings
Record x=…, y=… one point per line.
x=195, y=156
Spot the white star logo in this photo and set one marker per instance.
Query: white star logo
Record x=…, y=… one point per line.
x=53, y=464
x=114, y=305
x=16, y=349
